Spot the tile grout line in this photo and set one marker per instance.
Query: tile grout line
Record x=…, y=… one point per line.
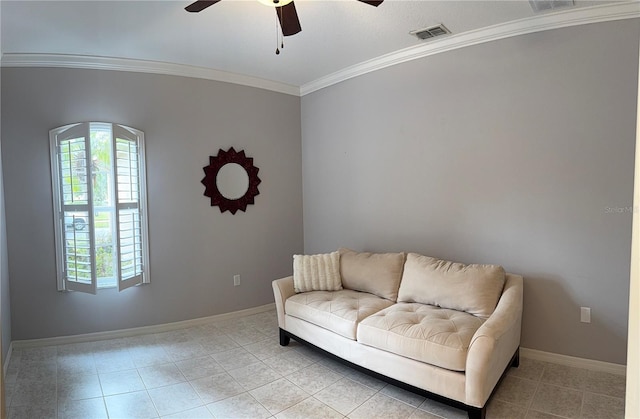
x=538, y=383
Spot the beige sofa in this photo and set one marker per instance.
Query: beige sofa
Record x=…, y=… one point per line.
x=445, y=330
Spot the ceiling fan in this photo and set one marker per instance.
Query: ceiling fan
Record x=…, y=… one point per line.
x=285, y=10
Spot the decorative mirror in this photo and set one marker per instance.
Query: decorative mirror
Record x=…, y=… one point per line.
x=231, y=180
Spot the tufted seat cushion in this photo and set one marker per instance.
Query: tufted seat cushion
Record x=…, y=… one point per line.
x=338, y=311
x=437, y=336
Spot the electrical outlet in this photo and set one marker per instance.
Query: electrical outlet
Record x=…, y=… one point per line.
x=585, y=314
x=236, y=280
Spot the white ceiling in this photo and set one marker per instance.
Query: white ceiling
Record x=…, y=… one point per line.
x=239, y=36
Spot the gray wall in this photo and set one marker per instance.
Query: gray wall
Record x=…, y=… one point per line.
x=509, y=152
x=195, y=250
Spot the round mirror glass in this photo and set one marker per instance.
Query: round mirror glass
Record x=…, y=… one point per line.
x=232, y=181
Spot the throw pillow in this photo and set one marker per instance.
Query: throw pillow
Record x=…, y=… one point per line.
x=317, y=272
x=474, y=289
x=375, y=273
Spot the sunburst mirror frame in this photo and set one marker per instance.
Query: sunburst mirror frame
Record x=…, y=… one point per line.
x=211, y=175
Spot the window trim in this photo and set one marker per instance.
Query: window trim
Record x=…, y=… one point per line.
x=63, y=284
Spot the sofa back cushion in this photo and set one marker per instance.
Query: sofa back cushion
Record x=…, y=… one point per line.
x=474, y=289
x=316, y=272
x=375, y=273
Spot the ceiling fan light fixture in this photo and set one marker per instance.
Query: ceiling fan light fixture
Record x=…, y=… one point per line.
x=275, y=3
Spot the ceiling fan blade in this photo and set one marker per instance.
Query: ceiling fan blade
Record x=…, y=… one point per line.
x=374, y=3
x=289, y=21
x=200, y=5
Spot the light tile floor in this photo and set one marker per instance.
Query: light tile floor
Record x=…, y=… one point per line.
x=236, y=368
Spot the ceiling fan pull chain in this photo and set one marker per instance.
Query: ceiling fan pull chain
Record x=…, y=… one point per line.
x=277, y=50
x=282, y=30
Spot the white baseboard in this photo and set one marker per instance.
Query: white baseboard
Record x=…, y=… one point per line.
x=6, y=361
x=144, y=330
x=572, y=361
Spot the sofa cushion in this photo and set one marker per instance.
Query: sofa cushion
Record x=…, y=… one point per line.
x=430, y=334
x=475, y=289
x=338, y=311
x=317, y=272
x=375, y=273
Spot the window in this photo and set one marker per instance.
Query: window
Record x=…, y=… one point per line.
x=99, y=197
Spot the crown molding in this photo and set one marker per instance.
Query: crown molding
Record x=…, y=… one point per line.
x=142, y=66
x=538, y=23
x=566, y=18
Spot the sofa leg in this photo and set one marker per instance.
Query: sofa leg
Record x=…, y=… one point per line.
x=284, y=338
x=516, y=359
x=477, y=413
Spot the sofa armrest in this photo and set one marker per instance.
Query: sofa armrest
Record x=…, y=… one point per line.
x=494, y=344
x=282, y=289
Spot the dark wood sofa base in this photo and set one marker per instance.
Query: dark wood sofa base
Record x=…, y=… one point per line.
x=473, y=412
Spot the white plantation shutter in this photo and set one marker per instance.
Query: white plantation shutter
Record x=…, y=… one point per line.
x=130, y=210
x=71, y=168
x=78, y=219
